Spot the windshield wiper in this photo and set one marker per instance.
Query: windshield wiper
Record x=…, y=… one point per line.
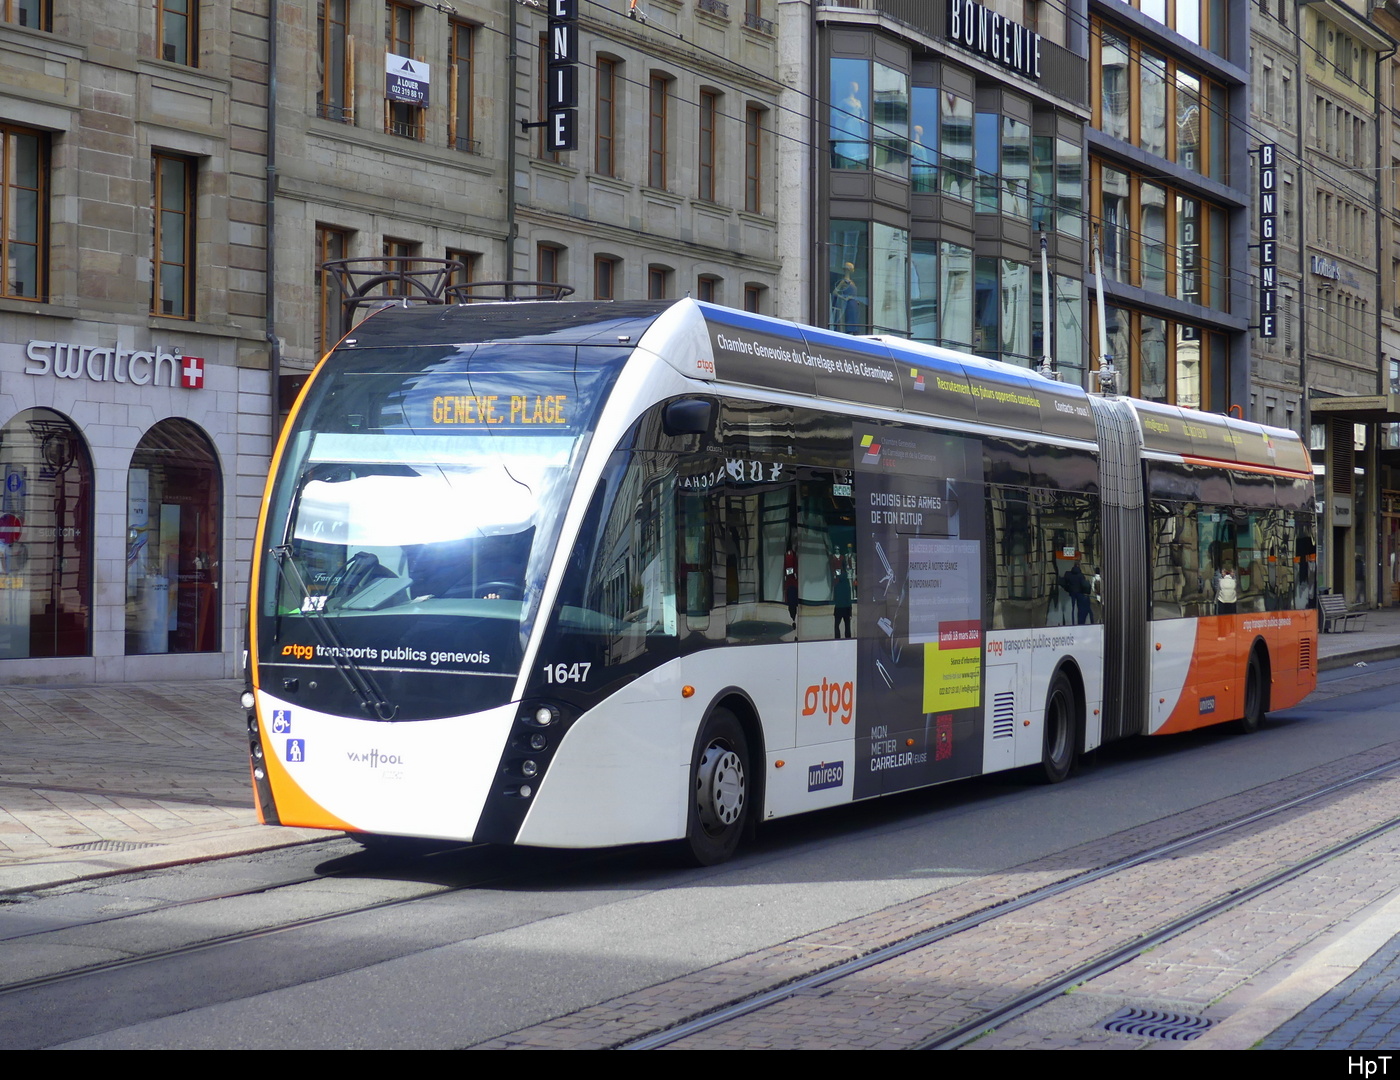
x=361, y=683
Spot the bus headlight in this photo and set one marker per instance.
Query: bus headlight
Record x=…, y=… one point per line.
x=247, y=700
x=545, y=715
x=528, y=768
x=538, y=741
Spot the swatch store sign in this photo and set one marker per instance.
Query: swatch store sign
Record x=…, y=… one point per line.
x=112, y=363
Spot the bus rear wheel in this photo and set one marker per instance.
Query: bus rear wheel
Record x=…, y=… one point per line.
x=1253, y=718
x=719, y=786
x=1061, y=730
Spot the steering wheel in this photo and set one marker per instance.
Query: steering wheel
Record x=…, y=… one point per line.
x=497, y=590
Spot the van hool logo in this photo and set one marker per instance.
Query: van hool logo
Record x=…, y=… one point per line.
x=826, y=775
x=374, y=758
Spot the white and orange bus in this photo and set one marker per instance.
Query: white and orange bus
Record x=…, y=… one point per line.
x=589, y=574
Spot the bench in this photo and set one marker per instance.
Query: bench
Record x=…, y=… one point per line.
x=1333, y=607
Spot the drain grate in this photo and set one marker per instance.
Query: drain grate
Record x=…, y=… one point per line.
x=109, y=845
x=1176, y=1027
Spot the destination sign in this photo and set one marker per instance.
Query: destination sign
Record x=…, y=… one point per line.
x=511, y=409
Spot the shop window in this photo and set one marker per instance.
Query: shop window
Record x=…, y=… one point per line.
x=45, y=537
x=173, y=499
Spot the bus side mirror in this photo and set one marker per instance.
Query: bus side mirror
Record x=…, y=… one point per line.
x=689, y=416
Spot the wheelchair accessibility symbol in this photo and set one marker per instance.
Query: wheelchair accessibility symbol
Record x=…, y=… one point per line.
x=281, y=721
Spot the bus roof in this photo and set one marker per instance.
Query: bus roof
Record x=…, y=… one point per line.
x=715, y=343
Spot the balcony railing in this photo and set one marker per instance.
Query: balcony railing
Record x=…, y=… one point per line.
x=762, y=25
x=714, y=7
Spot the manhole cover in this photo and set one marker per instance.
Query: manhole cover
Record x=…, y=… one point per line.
x=109, y=845
x=1177, y=1027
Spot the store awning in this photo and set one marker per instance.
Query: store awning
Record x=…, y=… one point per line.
x=1376, y=409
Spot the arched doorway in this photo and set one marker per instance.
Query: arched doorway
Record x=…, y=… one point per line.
x=45, y=537
x=173, y=499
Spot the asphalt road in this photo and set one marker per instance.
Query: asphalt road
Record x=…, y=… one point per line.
x=528, y=936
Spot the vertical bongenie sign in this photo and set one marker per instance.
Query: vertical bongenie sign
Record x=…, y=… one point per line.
x=563, y=75
x=1268, y=240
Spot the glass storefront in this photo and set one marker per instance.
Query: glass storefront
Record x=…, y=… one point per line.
x=45, y=537
x=172, y=553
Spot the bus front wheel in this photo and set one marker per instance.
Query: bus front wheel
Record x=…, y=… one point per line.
x=1061, y=730
x=719, y=789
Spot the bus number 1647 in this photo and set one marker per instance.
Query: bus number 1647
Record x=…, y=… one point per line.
x=566, y=673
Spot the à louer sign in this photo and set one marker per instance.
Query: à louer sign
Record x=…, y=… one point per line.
x=107, y=363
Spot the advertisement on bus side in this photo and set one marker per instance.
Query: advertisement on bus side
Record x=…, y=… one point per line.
x=920, y=606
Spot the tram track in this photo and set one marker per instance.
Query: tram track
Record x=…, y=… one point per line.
x=1307, y=796
x=740, y=1023
x=1079, y=973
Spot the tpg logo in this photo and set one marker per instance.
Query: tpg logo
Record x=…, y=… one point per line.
x=301, y=652
x=831, y=698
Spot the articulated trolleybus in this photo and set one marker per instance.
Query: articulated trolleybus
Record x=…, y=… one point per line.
x=587, y=574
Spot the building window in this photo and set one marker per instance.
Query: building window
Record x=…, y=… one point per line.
x=709, y=114
x=1160, y=239
x=868, y=277
x=658, y=282
x=333, y=97
x=23, y=212
x=459, y=91
x=401, y=117
x=863, y=133
x=656, y=132
x=753, y=298
x=1199, y=21
x=35, y=14
x=457, y=279
x=605, y=270
x=1167, y=361
x=707, y=288
x=330, y=324
x=753, y=159
x=396, y=250
x=1177, y=113
x=605, y=144
x=177, y=30
x=48, y=569
x=549, y=260
x=172, y=561
x=173, y=281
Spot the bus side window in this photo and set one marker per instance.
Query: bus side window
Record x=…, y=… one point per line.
x=695, y=538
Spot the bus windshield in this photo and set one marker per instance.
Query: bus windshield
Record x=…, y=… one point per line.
x=421, y=502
